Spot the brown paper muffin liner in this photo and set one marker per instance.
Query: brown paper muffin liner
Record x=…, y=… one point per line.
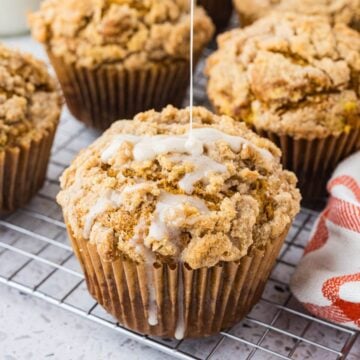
x=313, y=161
x=219, y=11
x=100, y=96
x=203, y=301
x=23, y=169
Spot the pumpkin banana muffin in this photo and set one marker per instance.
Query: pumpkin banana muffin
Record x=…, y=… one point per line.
x=117, y=58
x=294, y=79
x=30, y=107
x=177, y=235
x=344, y=11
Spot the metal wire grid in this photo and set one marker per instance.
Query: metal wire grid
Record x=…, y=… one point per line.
x=36, y=258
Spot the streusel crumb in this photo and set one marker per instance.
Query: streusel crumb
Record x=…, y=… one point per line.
x=29, y=99
x=129, y=33
x=144, y=192
x=290, y=74
x=344, y=11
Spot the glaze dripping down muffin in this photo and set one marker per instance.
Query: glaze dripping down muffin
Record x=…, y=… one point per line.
x=164, y=223
x=142, y=190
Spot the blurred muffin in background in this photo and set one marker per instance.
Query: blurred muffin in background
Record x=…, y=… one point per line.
x=220, y=11
x=178, y=241
x=115, y=59
x=345, y=11
x=294, y=79
x=30, y=106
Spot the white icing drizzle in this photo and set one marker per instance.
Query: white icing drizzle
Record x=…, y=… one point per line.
x=100, y=207
x=116, y=145
x=204, y=166
x=112, y=199
x=138, y=242
x=180, y=323
x=166, y=204
x=148, y=147
x=153, y=311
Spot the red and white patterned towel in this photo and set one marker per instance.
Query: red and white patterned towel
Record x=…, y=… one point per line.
x=327, y=280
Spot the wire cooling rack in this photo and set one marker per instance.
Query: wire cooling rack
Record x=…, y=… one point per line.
x=36, y=258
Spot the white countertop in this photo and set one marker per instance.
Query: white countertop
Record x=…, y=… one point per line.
x=31, y=329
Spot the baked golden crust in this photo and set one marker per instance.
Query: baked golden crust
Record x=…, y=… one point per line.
x=128, y=33
x=290, y=74
x=225, y=214
x=345, y=11
x=29, y=99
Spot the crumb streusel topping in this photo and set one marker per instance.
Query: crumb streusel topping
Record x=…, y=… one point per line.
x=290, y=74
x=29, y=99
x=345, y=11
x=129, y=33
x=144, y=191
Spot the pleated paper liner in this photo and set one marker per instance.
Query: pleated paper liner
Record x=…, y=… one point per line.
x=313, y=161
x=189, y=303
x=23, y=169
x=100, y=96
x=219, y=11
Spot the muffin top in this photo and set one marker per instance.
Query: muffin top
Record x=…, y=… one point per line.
x=29, y=99
x=289, y=74
x=345, y=11
x=130, y=33
x=145, y=191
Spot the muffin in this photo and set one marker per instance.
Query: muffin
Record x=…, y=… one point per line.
x=177, y=237
x=294, y=79
x=30, y=107
x=117, y=58
x=345, y=11
x=219, y=11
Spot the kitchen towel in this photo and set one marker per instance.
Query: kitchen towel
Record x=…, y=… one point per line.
x=327, y=280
